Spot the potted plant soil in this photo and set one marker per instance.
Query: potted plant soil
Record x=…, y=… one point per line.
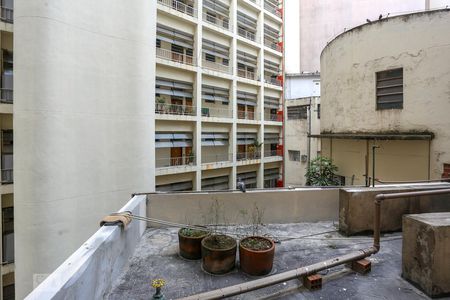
x=189, y=240
x=218, y=253
x=256, y=255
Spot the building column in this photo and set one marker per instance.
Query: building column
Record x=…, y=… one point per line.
x=233, y=93
x=260, y=179
x=198, y=100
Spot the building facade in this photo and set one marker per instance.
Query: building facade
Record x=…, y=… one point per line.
x=302, y=106
x=218, y=94
x=386, y=91
x=84, y=78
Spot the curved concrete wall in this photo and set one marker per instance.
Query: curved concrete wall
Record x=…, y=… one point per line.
x=420, y=44
x=84, y=122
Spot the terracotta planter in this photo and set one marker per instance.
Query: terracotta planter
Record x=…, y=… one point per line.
x=218, y=260
x=256, y=262
x=190, y=246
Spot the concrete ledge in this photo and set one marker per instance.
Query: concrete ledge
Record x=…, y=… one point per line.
x=356, y=208
x=89, y=272
x=279, y=206
x=426, y=252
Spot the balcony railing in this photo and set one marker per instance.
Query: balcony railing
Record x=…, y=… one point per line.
x=166, y=162
x=7, y=176
x=216, y=66
x=248, y=155
x=270, y=153
x=246, y=74
x=271, y=80
x=217, y=112
x=7, y=15
x=247, y=115
x=6, y=96
x=174, y=109
x=272, y=9
x=270, y=117
x=179, y=6
x=272, y=44
x=216, y=158
x=247, y=34
x=222, y=23
x=175, y=57
x=255, y=1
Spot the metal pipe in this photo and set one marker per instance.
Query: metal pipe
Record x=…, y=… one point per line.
x=278, y=278
x=414, y=181
x=373, y=163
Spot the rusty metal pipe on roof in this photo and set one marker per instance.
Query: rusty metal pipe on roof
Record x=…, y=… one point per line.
x=323, y=265
x=282, y=277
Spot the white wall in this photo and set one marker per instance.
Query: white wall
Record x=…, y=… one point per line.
x=83, y=122
x=302, y=86
x=310, y=24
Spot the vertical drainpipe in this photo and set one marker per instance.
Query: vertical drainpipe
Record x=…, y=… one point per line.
x=309, y=132
x=283, y=98
x=427, y=4
x=233, y=93
x=198, y=101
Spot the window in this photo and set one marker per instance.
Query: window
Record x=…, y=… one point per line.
x=8, y=234
x=158, y=43
x=225, y=61
x=210, y=17
x=390, y=89
x=210, y=57
x=297, y=112
x=294, y=155
x=318, y=111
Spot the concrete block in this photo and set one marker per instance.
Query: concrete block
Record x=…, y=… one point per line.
x=312, y=282
x=356, y=208
x=426, y=252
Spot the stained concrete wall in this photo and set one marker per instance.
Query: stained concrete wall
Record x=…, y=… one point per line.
x=83, y=122
x=348, y=69
x=356, y=206
x=279, y=206
x=91, y=270
x=313, y=23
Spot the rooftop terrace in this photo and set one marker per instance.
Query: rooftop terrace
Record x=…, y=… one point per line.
x=308, y=225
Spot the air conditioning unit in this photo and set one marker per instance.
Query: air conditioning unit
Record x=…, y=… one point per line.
x=304, y=158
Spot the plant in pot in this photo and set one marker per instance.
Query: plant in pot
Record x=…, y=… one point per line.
x=256, y=252
x=160, y=104
x=218, y=250
x=190, y=241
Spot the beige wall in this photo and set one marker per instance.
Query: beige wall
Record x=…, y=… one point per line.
x=349, y=65
x=280, y=206
x=83, y=122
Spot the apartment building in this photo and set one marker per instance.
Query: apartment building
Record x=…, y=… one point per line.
x=6, y=134
x=218, y=94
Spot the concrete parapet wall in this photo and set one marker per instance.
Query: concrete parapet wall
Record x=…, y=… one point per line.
x=279, y=206
x=356, y=207
x=426, y=251
x=90, y=271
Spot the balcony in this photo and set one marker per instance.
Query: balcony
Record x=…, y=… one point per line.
x=213, y=112
x=216, y=66
x=246, y=74
x=6, y=96
x=241, y=156
x=221, y=23
x=7, y=176
x=272, y=9
x=7, y=15
x=175, y=57
x=247, y=34
x=216, y=158
x=271, y=117
x=179, y=6
x=273, y=45
x=247, y=115
x=272, y=80
x=271, y=153
x=167, y=162
x=175, y=109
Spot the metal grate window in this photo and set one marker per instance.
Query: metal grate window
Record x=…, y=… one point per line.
x=294, y=155
x=390, y=89
x=297, y=112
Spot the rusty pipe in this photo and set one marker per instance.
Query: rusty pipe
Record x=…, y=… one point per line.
x=381, y=197
x=414, y=181
x=282, y=277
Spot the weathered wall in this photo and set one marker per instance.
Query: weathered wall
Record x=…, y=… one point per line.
x=348, y=69
x=279, y=206
x=83, y=122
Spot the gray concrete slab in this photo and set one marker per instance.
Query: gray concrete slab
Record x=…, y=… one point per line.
x=157, y=257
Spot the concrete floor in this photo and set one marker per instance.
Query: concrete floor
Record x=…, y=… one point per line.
x=157, y=257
